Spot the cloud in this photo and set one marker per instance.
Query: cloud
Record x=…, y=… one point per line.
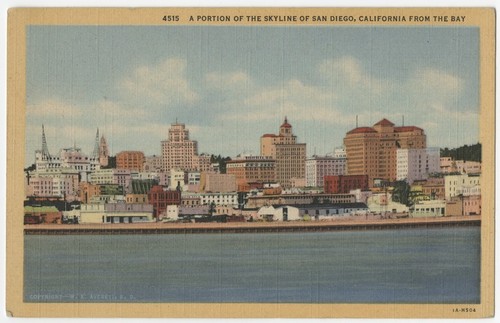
x=228, y=81
x=436, y=81
x=120, y=110
x=164, y=83
x=54, y=107
x=349, y=72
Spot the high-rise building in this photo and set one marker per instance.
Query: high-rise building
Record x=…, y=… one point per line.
x=178, y=152
x=131, y=160
x=252, y=170
x=417, y=164
x=103, y=152
x=372, y=150
x=317, y=167
x=290, y=156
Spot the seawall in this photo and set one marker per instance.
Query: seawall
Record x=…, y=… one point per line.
x=250, y=227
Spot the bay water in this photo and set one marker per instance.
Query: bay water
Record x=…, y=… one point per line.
x=424, y=265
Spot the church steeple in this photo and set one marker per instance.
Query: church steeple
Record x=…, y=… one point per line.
x=103, y=152
x=45, y=147
x=95, y=154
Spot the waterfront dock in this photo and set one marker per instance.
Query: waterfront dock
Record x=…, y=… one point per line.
x=251, y=227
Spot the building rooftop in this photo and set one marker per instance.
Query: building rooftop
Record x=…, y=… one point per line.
x=406, y=129
x=384, y=122
x=362, y=130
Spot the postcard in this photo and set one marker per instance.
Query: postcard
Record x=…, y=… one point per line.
x=250, y=162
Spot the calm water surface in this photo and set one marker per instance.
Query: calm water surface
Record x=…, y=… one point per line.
x=439, y=265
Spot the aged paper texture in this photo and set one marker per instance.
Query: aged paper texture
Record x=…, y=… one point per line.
x=111, y=110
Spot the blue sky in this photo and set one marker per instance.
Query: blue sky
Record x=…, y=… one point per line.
x=230, y=85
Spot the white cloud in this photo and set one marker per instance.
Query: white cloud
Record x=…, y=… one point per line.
x=436, y=81
x=164, y=83
x=120, y=110
x=228, y=81
x=53, y=107
x=349, y=71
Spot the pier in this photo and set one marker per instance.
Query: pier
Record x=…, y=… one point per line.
x=250, y=227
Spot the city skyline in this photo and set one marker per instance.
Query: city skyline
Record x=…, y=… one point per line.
x=231, y=85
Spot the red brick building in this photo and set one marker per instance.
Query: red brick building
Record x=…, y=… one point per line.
x=160, y=198
x=342, y=184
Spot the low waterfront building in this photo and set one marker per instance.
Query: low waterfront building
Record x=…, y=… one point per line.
x=382, y=203
x=257, y=201
x=330, y=211
x=433, y=208
x=472, y=204
x=160, y=198
x=116, y=213
x=191, y=211
x=41, y=215
x=463, y=205
x=279, y=213
x=454, y=207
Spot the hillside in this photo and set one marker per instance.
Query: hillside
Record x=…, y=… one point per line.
x=466, y=152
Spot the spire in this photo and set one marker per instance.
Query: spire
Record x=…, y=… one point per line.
x=45, y=148
x=95, y=154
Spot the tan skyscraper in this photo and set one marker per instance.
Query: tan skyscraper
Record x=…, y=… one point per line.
x=372, y=151
x=178, y=152
x=289, y=155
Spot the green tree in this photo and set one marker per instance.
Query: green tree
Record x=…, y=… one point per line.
x=401, y=192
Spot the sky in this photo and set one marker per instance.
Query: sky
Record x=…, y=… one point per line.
x=231, y=85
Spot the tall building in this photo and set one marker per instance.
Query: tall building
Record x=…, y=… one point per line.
x=103, y=152
x=372, y=150
x=343, y=184
x=178, y=152
x=290, y=156
x=417, y=164
x=213, y=182
x=317, y=167
x=72, y=158
x=131, y=160
x=252, y=170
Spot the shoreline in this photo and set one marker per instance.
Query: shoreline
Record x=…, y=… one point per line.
x=249, y=227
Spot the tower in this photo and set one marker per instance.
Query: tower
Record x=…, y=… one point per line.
x=289, y=155
x=103, y=151
x=95, y=153
x=45, y=148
